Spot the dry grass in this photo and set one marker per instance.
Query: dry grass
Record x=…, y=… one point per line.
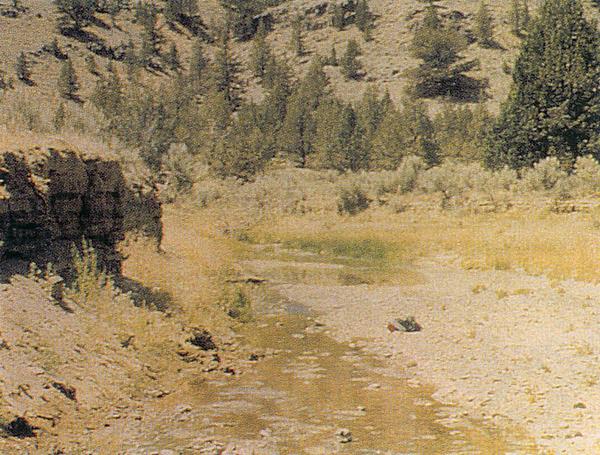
x=559, y=246
x=190, y=269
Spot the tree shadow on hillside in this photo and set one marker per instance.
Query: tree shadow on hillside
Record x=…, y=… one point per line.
x=461, y=89
x=83, y=36
x=100, y=23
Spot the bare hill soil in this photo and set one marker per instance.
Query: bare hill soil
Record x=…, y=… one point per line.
x=385, y=59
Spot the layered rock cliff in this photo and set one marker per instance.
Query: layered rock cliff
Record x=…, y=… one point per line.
x=51, y=198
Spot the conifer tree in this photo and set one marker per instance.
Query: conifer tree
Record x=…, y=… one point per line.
x=147, y=15
x=349, y=64
x=261, y=52
x=370, y=111
x=408, y=131
x=525, y=16
x=240, y=17
x=198, y=65
x=22, y=68
x=297, y=40
x=484, y=26
x=297, y=133
x=55, y=50
x=242, y=151
x=552, y=109
x=90, y=64
x=75, y=14
x=439, y=48
x=278, y=90
x=67, y=81
x=338, y=19
x=332, y=60
x=516, y=23
x=59, y=119
x=225, y=73
x=108, y=97
x=172, y=58
x=363, y=19
x=334, y=137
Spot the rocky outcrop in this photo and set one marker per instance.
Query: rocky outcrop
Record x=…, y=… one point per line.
x=50, y=198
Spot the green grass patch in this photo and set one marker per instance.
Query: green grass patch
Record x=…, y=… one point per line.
x=364, y=250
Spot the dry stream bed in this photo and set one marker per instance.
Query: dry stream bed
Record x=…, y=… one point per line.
x=322, y=383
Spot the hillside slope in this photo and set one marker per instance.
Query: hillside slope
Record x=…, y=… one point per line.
x=386, y=58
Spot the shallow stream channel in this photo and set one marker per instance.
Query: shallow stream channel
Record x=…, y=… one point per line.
x=315, y=395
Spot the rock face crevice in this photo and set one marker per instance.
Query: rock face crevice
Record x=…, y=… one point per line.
x=51, y=198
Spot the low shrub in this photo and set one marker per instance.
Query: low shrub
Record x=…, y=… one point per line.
x=544, y=175
x=352, y=200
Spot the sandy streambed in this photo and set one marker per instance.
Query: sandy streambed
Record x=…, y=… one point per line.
x=504, y=347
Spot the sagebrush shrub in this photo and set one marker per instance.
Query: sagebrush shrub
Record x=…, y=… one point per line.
x=544, y=175
x=352, y=200
x=586, y=175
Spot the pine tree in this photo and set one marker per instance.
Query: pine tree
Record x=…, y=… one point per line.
x=439, y=47
x=334, y=137
x=108, y=97
x=225, y=73
x=332, y=60
x=370, y=111
x=338, y=19
x=75, y=14
x=90, y=64
x=525, y=17
x=552, y=109
x=298, y=131
x=516, y=23
x=363, y=19
x=67, y=81
x=59, y=119
x=198, y=65
x=349, y=64
x=297, y=41
x=404, y=132
x=147, y=15
x=55, y=50
x=261, y=52
x=484, y=26
x=240, y=17
x=22, y=68
x=172, y=58
x=242, y=152
x=278, y=88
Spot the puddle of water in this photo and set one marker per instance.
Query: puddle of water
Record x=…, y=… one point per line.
x=315, y=386
x=330, y=274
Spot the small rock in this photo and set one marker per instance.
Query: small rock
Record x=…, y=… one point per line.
x=404, y=325
x=361, y=408
x=202, y=339
x=374, y=386
x=579, y=405
x=344, y=435
x=266, y=433
x=183, y=408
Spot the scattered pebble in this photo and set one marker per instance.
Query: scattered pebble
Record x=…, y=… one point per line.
x=344, y=435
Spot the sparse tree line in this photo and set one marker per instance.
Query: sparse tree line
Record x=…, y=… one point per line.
x=552, y=109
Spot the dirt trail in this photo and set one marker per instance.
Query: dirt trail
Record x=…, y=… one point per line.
x=504, y=347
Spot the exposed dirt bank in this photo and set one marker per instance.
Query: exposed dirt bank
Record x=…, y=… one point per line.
x=506, y=347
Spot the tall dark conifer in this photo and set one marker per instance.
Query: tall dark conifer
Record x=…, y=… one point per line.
x=554, y=105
